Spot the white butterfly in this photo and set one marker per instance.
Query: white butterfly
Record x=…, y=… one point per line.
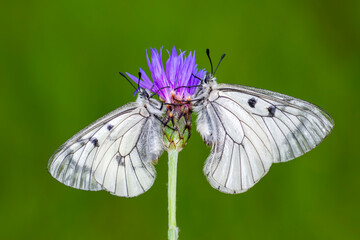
x=250, y=128
x=115, y=153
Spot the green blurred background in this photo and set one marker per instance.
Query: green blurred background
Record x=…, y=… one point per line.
x=59, y=64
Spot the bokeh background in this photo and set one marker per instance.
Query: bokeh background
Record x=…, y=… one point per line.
x=59, y=64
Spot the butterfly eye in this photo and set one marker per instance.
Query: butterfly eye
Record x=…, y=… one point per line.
x=208, y=77
x=146, y=94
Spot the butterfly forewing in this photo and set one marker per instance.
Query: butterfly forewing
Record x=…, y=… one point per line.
x=251, y=128
x=110, y=153
x=294, y=126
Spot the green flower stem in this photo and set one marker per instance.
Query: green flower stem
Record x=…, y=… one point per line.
x=173, y=232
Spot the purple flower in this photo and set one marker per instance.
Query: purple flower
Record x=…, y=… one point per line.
x=174, y=83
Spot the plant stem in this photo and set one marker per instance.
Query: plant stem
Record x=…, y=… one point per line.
x=173, y=230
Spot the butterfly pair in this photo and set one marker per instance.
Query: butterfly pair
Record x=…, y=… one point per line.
x=248, y=129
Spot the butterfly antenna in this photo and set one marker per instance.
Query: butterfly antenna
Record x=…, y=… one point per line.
x=208, y=54
x=222, y=57
x=127, y=80
x=196, y=77
x=139, y=81
x=187, y=86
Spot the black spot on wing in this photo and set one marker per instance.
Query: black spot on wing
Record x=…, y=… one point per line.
x=109, y=127
x=252, y=102
x=95, y=142
x=271, y=110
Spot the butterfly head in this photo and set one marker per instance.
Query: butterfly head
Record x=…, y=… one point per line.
x=143, y=93
x=209, y=79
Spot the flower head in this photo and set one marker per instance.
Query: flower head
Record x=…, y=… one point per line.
x=177, y=81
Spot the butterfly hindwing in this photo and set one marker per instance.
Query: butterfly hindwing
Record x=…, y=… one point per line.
x=241, y=150
x=110, y=154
